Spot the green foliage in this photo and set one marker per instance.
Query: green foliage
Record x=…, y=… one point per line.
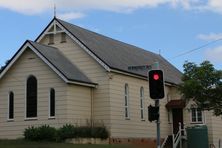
x=70, y=131
x=42, y=133
x=3, y=67
x=203, y=84
x=85, y=132
x=67, y=131
x=47, y=133
x=31, y=133
x=99, y=132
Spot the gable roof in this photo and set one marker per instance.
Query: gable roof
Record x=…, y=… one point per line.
x=120, y=56
x=54, y=59
x=115, y=55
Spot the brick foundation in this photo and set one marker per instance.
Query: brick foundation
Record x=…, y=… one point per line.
x=137, y=142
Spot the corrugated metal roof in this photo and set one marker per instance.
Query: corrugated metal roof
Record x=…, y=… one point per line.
x=61, y=63
x=120, y=56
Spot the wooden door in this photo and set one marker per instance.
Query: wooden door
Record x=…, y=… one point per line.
x=177, y=117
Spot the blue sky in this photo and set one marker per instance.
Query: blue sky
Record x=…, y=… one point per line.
x=168, y=27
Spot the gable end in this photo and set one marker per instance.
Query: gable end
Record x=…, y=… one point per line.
x=29, y=45
x=55, y=22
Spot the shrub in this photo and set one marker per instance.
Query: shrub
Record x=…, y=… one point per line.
x=100, y=132
x=84, y=132
x=67, y=131
x=47, y=133
x=42, y=133
x=31, y=133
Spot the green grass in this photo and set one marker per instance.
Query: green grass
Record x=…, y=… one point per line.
x=29, y=144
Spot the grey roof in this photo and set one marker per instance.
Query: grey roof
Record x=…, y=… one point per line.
x=61, y=63
x=119, y=56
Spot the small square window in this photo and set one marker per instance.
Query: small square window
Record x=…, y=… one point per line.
x=196, y=115
x=51, y=39
x=63, y=37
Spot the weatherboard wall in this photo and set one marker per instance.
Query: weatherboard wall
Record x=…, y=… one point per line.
x=217, y=130
x=15, y=80
x=134, y=127
x=212, y=122
x=93, y=70
x=79, y=105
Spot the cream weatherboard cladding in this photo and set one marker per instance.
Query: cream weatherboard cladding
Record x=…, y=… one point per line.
x=96, y=73
x=15, y=80
x=134, y=127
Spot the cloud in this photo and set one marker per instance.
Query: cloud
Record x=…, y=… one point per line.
x=214, y=54
x=28, y=7
x=70, y=16
x=32, y=7
x=210, y=37
x=39, y=6
x=215, y=6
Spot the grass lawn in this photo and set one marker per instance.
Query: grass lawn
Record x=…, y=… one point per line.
x=27, y=144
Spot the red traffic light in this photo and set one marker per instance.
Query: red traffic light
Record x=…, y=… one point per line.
x=156, y=84
x=156, y=76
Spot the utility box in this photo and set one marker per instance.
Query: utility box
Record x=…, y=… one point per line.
x=197, y=137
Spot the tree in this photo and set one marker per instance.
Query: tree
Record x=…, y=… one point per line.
x=3, y=67
x=203, y=84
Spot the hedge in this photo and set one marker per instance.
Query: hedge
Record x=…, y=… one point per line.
x=68, y=131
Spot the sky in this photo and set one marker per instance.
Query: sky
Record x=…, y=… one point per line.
x=179, y=30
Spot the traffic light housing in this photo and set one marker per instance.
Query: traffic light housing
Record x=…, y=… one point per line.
x=156, y=84
x=153, y=113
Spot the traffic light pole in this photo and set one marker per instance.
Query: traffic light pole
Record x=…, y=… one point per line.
x=156, y=87
x=157, y=104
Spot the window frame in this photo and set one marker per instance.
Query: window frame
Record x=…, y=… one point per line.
x=63, y=37
x=142, y=104
x=126, y=102
x=51, y=38
x=196, y=116
x=49, y=105
x=26, y=99
x=9, y=106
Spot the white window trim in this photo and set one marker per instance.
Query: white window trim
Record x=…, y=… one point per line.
x=126, y=104
x=142, y=103
x=9, y=119
x=197, y=122
x=49, y=105
x=31, y=119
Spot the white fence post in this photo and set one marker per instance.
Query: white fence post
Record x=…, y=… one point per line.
x=180, y=130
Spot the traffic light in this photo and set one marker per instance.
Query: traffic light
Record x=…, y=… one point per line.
x=156, y=84
x=153, y=113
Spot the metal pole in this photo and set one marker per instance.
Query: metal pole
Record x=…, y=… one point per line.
x=157, y=104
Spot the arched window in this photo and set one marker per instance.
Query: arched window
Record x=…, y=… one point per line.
x=11, y=106
x=142, y=103
x=52, y=103
x=126, y=105
x=31, y=97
